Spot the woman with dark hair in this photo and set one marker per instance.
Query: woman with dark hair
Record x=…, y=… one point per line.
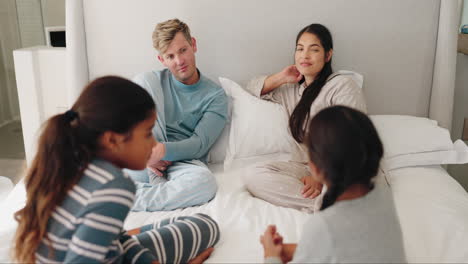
x=78, y=197
x=357, y=222
x=303, y=89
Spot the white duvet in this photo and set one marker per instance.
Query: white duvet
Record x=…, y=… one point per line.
x=433, y=211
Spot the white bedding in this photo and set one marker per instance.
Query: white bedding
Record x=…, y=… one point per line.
x=432, y=207
x=433, y=211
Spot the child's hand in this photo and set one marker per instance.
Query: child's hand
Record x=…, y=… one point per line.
x=272, y=242
x=312, y=188
x=288, y=252
x=202, y=257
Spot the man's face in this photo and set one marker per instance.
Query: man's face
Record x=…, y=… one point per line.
x=179, y=58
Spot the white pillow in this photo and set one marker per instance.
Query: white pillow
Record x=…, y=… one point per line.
x=402, y=134
x=258, y=127
x=417, y=141
x=217, y=153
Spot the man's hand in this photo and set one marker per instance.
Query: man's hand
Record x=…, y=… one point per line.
x=160, y=166
x=155, y=162
x=272, y=242
x=311, y=188
x=290, y=74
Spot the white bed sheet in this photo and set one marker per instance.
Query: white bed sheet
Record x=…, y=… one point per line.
x=432, y=207
x=433, y=212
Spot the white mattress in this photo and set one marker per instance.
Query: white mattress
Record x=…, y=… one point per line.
x=433, y=211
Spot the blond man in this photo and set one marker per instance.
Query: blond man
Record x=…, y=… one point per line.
x=192, y=112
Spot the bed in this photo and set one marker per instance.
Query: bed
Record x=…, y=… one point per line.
x=432, y=209
x=237, y=41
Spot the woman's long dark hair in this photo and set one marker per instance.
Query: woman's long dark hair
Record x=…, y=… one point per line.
x=344, y=145
x=68, y=142
x=300, y=116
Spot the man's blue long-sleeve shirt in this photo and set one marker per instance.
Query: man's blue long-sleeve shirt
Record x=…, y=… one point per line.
x=194, y=115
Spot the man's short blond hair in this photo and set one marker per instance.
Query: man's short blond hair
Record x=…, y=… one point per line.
x=165, y=32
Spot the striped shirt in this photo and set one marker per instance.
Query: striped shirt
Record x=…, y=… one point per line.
x=87, y=225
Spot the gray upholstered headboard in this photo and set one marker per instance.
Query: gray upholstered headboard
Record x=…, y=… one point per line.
x=391, y=43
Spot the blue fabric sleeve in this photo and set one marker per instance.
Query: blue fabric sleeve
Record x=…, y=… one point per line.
x=205, y=134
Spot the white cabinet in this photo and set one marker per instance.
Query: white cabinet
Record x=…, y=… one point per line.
x=41, y=83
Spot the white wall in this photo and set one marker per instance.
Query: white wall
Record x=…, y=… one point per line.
x=53, y=12
x=9, y=41
x=464, y=18
x=40, y=73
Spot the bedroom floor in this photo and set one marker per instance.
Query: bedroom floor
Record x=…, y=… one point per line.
x=12, y=156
